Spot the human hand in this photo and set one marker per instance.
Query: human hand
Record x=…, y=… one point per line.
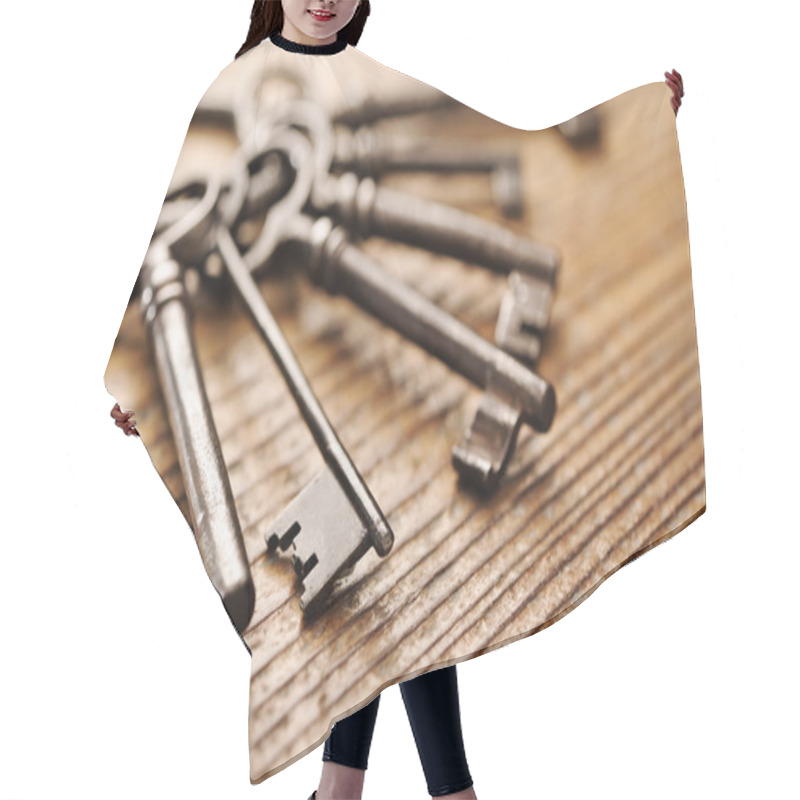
x=122, y=419
x=675, y=82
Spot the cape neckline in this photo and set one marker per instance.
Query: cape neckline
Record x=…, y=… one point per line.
x=308, y=49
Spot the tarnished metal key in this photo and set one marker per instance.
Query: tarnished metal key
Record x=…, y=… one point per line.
x=327, y=527
x=371, y=210
x=367, y=209
x=167, y=316
x=370, y=153
x=335, y=520
x=337, y=514
x=340, y=267
x=483, y=454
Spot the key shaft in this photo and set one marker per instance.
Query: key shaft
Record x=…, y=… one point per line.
x=372, y=154
x=208, y=491
x=342, y=268
x=371, y=210
x=331, y=448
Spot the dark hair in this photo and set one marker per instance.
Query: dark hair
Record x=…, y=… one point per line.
x=266, y=18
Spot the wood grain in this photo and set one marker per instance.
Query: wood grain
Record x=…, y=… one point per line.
x=620, y=471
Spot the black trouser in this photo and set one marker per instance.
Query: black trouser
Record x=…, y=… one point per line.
x=432, y=706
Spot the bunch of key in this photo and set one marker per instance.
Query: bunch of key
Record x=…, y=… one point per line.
x=308, y=182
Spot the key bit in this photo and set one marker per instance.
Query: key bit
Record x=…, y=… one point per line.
x=484, y=453
x=507, y=188
x=524, y=316
x=489, y=443
x=325, y=535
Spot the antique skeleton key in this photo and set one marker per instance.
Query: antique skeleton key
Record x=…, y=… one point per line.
x=335, y=520
x=482, y=456
x=367, y=209
x=370, y=153
x=167, y=316
x=340, y=267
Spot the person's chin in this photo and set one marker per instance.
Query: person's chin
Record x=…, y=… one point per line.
x=315, y=33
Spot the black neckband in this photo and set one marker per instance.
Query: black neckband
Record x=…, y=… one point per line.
x=308, y=49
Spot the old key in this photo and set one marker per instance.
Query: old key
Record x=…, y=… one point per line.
x=335, y=519
x=167, y=316
x=333, y=522
x=340, y=267
x=370, y=153
x=367, y=209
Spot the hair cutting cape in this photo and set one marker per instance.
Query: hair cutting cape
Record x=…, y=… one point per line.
x=619, y=470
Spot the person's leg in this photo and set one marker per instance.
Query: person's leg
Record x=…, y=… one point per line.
x=432, y=704
x=345, y=755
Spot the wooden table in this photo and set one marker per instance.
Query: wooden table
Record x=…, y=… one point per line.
x=620, y=471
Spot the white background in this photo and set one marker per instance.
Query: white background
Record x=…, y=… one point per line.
x=120, y=675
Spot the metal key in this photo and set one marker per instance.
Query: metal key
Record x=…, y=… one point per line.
x=369, y=210
x=335, y=519
x=167, y=316
x=370, y=153
x=369, y=106
x=483, y=454
x=364, y=150
x=342, y=268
